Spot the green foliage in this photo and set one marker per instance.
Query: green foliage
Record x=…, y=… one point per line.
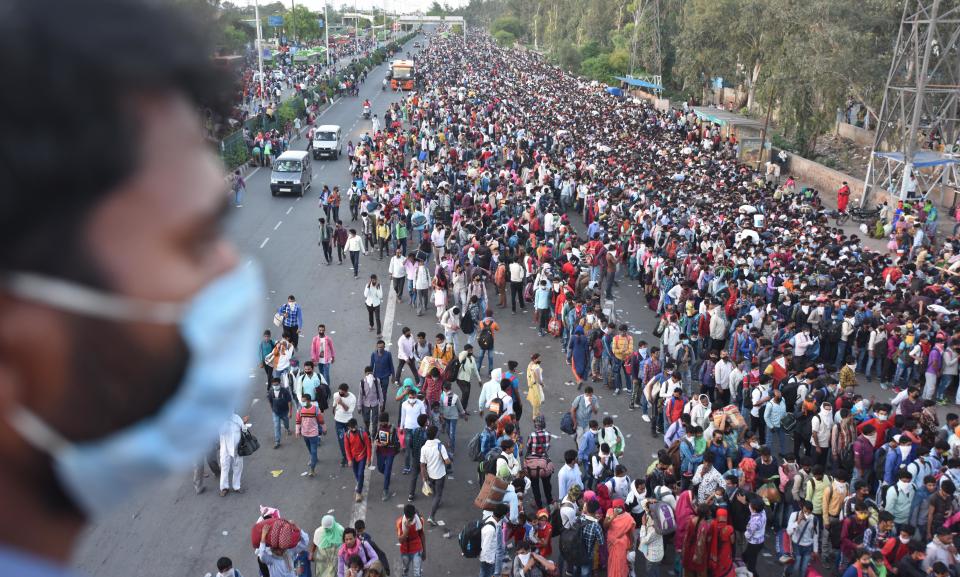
x=504, y=38
x=510, y=24
x=804, y=56
x=236, y=154
x=302, y=24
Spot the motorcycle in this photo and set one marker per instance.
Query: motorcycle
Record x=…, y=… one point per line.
x=366, y=112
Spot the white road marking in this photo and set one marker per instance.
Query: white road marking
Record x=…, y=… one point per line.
x=360, y=508
x=249, y=262
x=279, y=222
x=265, y=241
x=289, y=209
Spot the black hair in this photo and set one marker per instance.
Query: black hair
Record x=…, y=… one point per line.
x=56, y=47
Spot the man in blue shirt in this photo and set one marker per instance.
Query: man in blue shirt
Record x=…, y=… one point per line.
x=569, y=475
x=292, y=319
x=541, y=303
x=381, y=361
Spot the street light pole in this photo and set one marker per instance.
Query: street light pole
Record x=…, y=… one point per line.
x=256, y=14
x=326, y=31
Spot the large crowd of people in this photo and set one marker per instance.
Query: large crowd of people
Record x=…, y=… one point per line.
x=768, y=318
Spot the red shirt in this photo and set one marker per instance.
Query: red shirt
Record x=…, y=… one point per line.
x=356, y=444
x=414, y=541
x=880, y=426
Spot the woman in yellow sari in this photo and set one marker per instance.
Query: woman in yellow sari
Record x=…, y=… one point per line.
x=535, y=384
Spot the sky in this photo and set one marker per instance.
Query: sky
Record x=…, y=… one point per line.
x=405, y=6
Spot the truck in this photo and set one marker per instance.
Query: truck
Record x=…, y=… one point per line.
x=401, y=75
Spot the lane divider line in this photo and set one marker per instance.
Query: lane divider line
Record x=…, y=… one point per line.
x=360, y=507
x=289, y=209
x=265, y=241
x=279, y=222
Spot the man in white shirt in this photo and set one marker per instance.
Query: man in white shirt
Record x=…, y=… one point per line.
x=721, y=376
x=491, y=541
x=353, y=247
x=405, y=354
x=438, y=238
x=450, y=321
x=434, y=461
x=230, y=461
x=517, y=274
x=398, y=273
x=344, y=404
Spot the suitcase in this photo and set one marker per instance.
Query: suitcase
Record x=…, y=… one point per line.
x=491, y=493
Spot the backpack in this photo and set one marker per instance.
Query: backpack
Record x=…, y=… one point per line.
x=664, y=522
x=485, y=338
x=466, y=323
x=556, y=520
x=880, y=462
x=452, y=370
x=470, y=537
x=788, y=422
x=846, y=457
x=566, y=424
x=473, y=448
x=572, y=547
x=882, y=494
x=490, y=461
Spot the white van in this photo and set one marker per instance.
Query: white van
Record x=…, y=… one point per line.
x=292, y=172
x=327, y=141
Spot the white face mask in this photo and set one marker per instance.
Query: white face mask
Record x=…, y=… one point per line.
x=524, y=558
x=905, y=450
x=904, y=540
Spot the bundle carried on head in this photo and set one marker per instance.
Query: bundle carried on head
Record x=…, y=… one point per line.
x=283, y=534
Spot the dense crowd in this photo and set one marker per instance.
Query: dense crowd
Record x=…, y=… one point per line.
x=768, y=317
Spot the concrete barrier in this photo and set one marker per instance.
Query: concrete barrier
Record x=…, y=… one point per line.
x=856, y=134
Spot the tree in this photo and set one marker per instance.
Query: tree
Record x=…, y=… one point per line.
x=436, y=9
x=510, y=24
x=504, y=38
x=301, y=24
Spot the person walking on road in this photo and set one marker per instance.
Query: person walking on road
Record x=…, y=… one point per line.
x=421, y=284
x=405, y=356
x=266, y=347
x=325, y=241
x=466, y=375
x=310, y=426
x=381, y=361
x=322, y=352
x=485, y=340
x=323, y=551
x=344, y=404
x=387, y=445
x=535, y=384
x=451, y=410
x=356, y=444
x=398, y=273
x=371, y=400
x=281, y=404
x=434, y=460
x=340, y=239
x=231, y=463
x=373, y=297
x=292, y=319
x=413, y=541
x=354, y=246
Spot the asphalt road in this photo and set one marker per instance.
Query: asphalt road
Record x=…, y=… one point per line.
x=171, y=531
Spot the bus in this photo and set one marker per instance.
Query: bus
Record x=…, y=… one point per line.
x=401, y=75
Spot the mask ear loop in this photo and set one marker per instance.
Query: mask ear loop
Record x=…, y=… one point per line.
x=75, y=298
x=36, y=432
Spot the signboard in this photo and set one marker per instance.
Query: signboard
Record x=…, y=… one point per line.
x=275, y=21
x=320, y=22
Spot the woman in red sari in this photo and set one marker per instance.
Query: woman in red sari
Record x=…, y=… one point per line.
x=620, y=527
x=682, y=514
x=721, y=546
x=696, y=543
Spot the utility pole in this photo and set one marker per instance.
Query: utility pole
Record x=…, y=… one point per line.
x=356, y=26
x=256, y=14
x=293, y=22
x=326, y=31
